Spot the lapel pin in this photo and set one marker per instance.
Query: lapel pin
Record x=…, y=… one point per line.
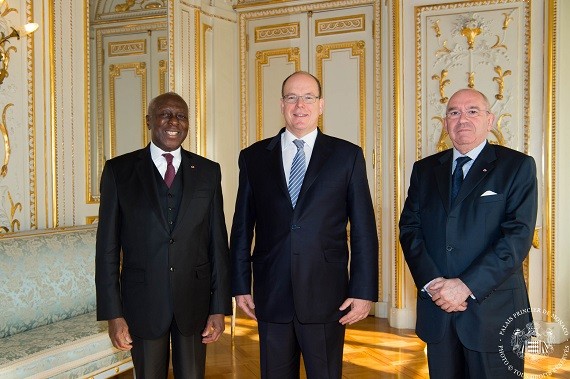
x=192, y=166
x=484, y=170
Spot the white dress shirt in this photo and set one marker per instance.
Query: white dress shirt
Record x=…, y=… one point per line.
x=160, y=161
x=289, y=149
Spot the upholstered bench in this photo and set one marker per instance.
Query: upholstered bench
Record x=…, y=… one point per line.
x=48, y=327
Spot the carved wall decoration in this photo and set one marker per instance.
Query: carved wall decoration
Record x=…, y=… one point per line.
x=8, y=223
x=126, y=48
x=277, y=32
x=5, y=137
x=336, y=25
x=476, y=45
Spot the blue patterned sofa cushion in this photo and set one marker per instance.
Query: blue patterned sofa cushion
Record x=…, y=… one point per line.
x=45, y=277
x=66, y=349
x=48, y=327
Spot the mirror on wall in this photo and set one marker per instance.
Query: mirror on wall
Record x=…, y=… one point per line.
x=128, y=66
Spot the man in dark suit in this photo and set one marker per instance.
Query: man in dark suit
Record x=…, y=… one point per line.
x=162, y=262
x=465, y=237
x=305, y=291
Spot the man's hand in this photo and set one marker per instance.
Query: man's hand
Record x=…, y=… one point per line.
x=359, y=310
x=214, y=328
x=119, y=334
x=450, y=294
x=245, y=302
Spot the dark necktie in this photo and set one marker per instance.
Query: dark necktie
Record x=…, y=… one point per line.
x=297, y=173
x=457, y=177
x=170, y=173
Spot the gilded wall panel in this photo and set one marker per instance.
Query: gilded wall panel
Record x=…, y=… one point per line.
x=355, y=51
x=134, y=78
x=262, y=65
x=479, y=44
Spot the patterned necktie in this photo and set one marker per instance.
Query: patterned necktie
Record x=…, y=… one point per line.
x=457, y=177
x=170, y=173
x=297, y=174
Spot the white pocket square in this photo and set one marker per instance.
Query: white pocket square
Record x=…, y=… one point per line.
x=488, y=193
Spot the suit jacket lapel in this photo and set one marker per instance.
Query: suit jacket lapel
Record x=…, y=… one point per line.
x=483, y=165
x=190, y=173
x=145, y=171
x=275, y=163
x=321, y=152
x=443, y=178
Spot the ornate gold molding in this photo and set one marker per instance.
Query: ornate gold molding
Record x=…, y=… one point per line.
x=277, y=32
x=127, y=48
x=162, y=75
x=129, y=4
x=399, y=164
x=337, y=25
x=162, y=44
x=32, y=168
x=6, y=138
x=203, y=143
x=550, y=104
x=197, y=81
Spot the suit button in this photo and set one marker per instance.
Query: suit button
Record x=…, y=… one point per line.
x=448, y=248
x=171, y=241
x=294, y=227
x=172, y=269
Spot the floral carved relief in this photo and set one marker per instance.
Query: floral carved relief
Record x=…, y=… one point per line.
x=473, y=45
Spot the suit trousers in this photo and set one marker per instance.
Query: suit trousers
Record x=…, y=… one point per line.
x=449, y=359
x=282, y=344
x=151, y=357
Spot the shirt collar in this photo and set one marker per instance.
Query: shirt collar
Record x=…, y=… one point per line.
x=473, y=154
x=287, y=139
x=156, y=152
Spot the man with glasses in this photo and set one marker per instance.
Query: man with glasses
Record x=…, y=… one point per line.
x=297, y=193
x=466, y=228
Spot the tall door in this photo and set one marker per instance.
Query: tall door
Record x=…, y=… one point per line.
x=337, y=46
x=134, y=71
x=131, y=67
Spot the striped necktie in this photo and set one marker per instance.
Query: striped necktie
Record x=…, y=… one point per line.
x=298, y=168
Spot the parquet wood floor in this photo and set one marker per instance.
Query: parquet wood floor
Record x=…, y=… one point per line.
x=373, y=350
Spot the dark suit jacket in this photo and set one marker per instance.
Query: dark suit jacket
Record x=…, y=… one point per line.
x=185, y=272
x=482, y=240
x=300, y=260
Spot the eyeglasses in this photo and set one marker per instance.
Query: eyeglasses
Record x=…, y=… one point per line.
x=469, y=113
x=307, y=99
